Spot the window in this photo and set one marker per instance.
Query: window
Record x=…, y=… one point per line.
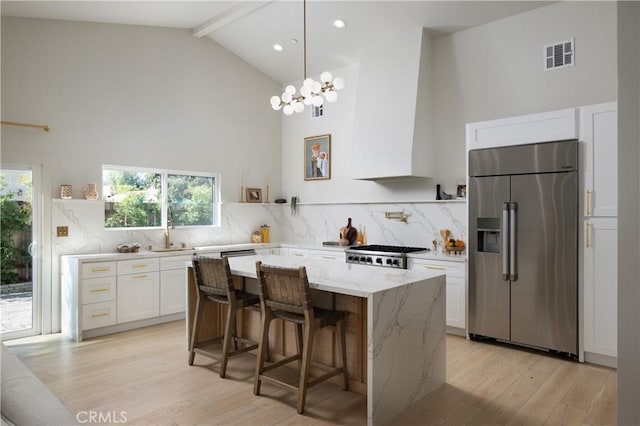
x=144, y=198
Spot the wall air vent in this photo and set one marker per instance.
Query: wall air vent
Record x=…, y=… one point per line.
x=559, y=55
x=317, y=111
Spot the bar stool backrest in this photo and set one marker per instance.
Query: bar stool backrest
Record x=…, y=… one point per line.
x=213, y=276
x=284, y=289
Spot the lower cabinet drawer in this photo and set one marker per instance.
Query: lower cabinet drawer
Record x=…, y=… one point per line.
x=96, y=290
x=452, y=269
x=97, y=315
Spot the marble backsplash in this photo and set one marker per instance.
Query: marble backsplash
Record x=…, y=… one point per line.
x=311, y=224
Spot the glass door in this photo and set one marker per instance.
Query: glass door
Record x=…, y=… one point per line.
x=20, y=283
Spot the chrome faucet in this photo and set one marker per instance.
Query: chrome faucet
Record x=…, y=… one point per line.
x=170, y=225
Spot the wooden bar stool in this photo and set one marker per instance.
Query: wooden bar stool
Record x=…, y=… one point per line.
x=215, y=284
x=285, y=294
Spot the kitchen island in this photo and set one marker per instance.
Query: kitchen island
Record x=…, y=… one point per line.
x=395, y=330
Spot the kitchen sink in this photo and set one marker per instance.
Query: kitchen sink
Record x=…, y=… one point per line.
x=164, y=250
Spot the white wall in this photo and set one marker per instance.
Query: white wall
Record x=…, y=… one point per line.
x=496, y=70
x=139, y=96
x=628, y=213
x=486, y=72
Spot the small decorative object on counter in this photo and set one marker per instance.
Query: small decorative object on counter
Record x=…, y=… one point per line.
x=91, y=191
x=294, y=206
x=265, y=233
x=128, y=248
x=438, y=194
x=348, y=234
x=256, y=237
x=451, y=245
x=435, y=244
x=66, y=192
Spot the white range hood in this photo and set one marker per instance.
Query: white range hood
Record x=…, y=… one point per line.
x=392, y=126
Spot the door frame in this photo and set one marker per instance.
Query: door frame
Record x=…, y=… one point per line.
x=37, y=205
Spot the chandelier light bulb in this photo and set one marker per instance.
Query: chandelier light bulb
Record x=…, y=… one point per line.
x=316, y=87
x=317, y=101
x=331, y=96
x=308, y=82
x=307, y=100
x=298, y=107
x=305, y=91
x=338, y=83
x=326, y=77
x=290, y=89
x=286, y=97
x=288, y=109
x=275, y=101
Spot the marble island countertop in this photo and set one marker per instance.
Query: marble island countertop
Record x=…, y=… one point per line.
x=337, y=277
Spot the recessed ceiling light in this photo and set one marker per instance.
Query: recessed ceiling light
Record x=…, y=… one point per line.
x=339, y=23
x=277, y=47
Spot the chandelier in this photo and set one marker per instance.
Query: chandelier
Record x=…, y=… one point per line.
x=311, y=91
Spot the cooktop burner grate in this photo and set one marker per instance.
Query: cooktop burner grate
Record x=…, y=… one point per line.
x=388, y=249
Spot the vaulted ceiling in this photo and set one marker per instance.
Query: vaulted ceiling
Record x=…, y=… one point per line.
x=251, y=28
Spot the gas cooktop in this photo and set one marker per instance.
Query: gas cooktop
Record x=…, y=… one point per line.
x=381, y=255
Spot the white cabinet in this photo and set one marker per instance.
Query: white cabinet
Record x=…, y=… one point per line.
x=599, y=133
x=173, y=291
x=97, y=294
x=600, y=287
x=293, y=251
x=456, y=287
x=542, y=127
x=138, y=290
x=332, y=255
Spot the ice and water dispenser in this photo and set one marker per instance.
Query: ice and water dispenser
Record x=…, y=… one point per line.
x=488, y=234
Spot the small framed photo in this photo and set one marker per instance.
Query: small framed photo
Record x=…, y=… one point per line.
x=462, y=191
x=254, y=195
x=317, y=157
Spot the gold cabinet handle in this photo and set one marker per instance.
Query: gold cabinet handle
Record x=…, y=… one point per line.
x=328, y=257
x=137, y=277
x=140, y=265
x=587, y=235
x=297, y=254
x=100, y=269
x=587, y=203
x=439, y=268
x=96, y=290
x=99, y=315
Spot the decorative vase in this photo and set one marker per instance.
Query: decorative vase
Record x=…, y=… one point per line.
x=91, y=191
x=66, y=192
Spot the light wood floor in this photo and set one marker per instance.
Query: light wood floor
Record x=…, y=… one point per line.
x=144, y=374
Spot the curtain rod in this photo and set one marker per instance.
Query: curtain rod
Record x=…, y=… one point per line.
x=44, y=127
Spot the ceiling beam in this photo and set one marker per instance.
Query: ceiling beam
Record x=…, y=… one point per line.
x=238, y=10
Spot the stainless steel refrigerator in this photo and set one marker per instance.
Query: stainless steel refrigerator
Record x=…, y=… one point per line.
x=523, y=245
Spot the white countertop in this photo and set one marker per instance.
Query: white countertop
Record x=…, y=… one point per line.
x=336, y=277
x=144, y=253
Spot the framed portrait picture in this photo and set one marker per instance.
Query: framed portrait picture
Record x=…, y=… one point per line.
x=317, y=157
x=461, y=191
x=254, y=195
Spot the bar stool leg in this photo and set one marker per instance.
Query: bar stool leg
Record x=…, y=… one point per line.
x=307, y=349
x=262, y=347
x=342, y=345
x=196, y=328
x=228, y=337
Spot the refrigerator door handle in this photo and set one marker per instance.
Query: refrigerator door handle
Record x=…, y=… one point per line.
x=505, y=242
x=513, y=207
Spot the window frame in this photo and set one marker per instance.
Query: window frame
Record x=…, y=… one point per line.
x=164, y=183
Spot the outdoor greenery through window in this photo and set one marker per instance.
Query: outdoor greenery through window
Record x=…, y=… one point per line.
x=143, y=198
